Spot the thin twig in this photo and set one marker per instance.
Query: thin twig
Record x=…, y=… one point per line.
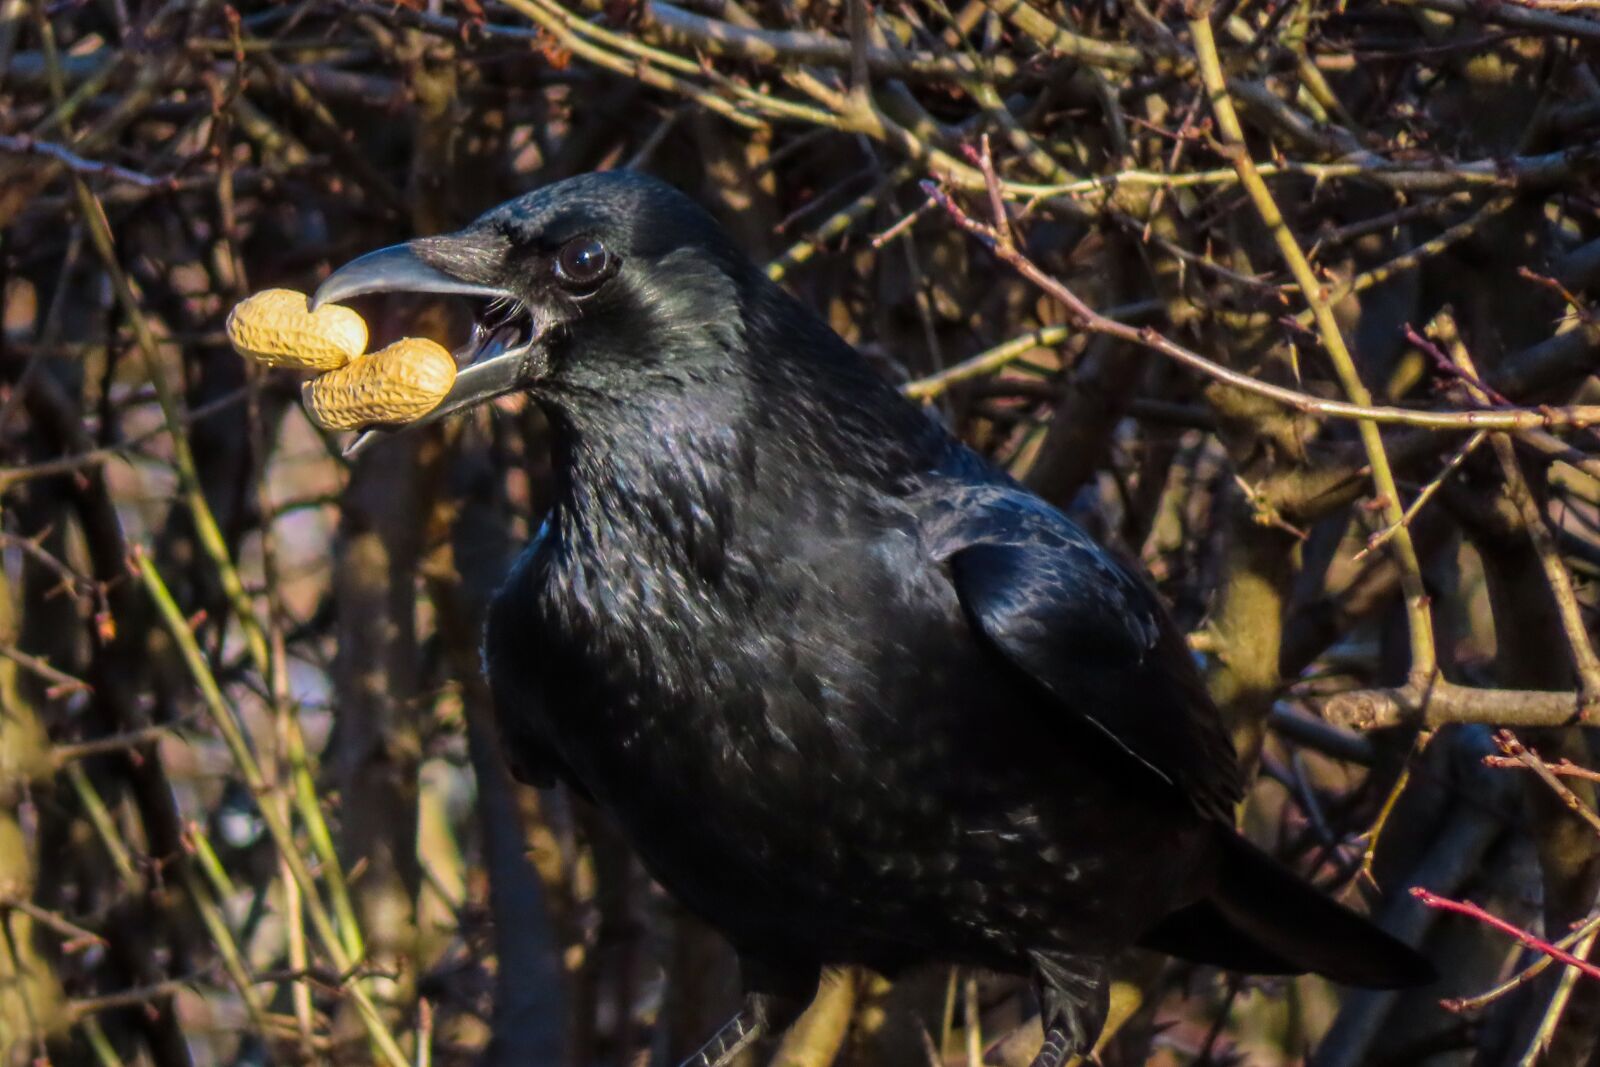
x=76, y=936
x=1424, y=661
x=28, y=146
x=61, y=683
x=1586, y=663
x=1467, y=908
x=64, y=754
x=1514, y=749
x=130, y=998
x=1451, y=465
x=1564, y=768
x=224, y=720
x=1147, y=337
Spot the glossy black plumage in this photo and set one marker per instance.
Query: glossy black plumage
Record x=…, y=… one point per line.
x=853, y=694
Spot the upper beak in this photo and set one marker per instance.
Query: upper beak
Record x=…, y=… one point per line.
x=397, y=268
x=400, y=268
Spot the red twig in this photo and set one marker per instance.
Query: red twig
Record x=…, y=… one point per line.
x=1555, y=286
x=1471, y=910
x=1565, y=768
x=1000, y=243
x=1445, y=365
x=1514, y=749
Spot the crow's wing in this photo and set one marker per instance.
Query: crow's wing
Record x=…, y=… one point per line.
x=1093, y=634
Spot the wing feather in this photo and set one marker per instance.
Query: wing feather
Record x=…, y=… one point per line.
x=1089, y=630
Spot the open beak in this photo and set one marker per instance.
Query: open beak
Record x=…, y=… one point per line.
x=505, y=341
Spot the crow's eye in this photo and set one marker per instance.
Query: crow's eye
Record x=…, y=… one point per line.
x=582, y=262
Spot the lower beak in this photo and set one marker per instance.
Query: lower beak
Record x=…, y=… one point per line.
x=399, y=268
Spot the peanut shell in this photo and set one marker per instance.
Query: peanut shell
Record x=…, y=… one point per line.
x=394, y=385
x=278, y=328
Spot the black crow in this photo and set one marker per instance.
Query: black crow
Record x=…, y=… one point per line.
x=855, y=696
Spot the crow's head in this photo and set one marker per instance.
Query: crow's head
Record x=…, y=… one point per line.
x=596, y=289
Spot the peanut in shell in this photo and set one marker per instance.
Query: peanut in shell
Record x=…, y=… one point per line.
x=394, y=385
x=278, y=328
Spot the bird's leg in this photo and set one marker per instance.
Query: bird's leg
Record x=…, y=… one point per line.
x=774, y=998
x=749, y=1023
x=1074, y=997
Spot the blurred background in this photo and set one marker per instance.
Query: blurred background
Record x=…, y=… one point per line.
x=251, y=806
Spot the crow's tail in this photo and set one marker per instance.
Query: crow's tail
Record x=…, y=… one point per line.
x=1262, y=919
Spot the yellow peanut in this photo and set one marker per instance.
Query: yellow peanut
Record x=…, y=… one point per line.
x=277, y=327
x=394, y=385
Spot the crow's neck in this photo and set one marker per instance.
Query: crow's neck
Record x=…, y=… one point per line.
x=771, y=421
x=647, y=486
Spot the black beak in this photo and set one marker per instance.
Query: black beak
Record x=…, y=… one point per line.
x=493, y=366
x=398, y=268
